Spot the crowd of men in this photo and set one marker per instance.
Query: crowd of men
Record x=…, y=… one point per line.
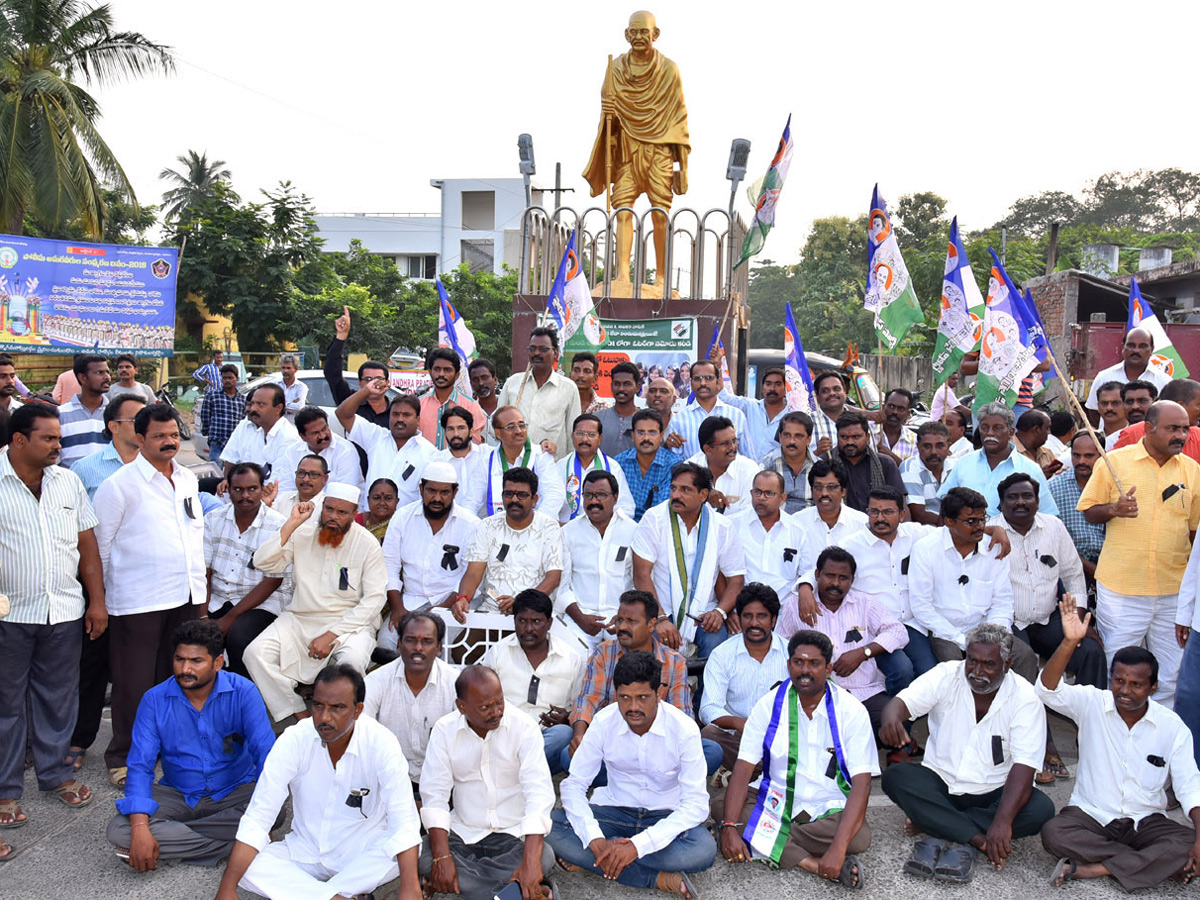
x=679, y=609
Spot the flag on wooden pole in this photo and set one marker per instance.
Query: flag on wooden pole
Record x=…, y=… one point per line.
x=1165, y=356
x=889, y=295
x=960, y=325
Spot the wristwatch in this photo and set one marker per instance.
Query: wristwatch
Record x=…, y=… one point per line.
x=867, y=652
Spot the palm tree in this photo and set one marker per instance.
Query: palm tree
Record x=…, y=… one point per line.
x=194, y=184
x=53, y=161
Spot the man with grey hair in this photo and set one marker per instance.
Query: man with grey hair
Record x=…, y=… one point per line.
x=974, y=787
x=984, y=469
x=294, y=390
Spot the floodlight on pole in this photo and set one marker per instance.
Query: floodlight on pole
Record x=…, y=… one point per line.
x=739, y=154
x=528, y=167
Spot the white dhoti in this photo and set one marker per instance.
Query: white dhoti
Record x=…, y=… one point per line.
x=274, y=874
x=278, y=660
x=1125, y=620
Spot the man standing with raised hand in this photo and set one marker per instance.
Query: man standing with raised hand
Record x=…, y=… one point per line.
x=549, y=401
x=397, y=452
x=764, y=417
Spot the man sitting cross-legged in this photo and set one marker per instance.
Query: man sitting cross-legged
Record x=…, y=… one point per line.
x=354, y=823
x=814, y=742
x=645, y=827
x=987, y=736
x=210, y=729
x=1129, y=751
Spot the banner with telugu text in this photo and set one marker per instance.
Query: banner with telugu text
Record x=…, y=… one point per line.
x=68, y=296
x=658, y=347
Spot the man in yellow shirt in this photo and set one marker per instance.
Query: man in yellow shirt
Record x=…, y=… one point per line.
x=1150, y=524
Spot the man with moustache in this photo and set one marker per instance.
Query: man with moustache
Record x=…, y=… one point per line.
x=813, y=741
x=150, y=525
x=617, y=420
x=680, y=550
x=705, y=402
x=865, y=467
x=221, y=411
x=482, y=494
x=923, y=472
x=1137, y=397
x=487, y=837
x=413, y=691
x=425, y=549
x=397, y=452
x=375, y=409
x=1066, y=488
x=829, y=521
x=9, y=403
x=191, y=815
x=265, y=437
x=831, y=398
x=468, y=458
x=127, y=383
x=587, y=434
x=1033, y=431
x=241, y=599
x=584, y=375
x=1112, y=411
x=974, y=787
x=484, y=385
x=520, y=549
x=763, y=417
x=741, y=671
x=1134, y=365
x=1149, y=525
x=541, y=674
x=354, y=823
x=897, y=441
x=310, y=475
x=597, y=560
x=645, y=826
x=648, y=465
x=547, y=399
x=340, y=584
x=661, y=397
x=444, y=367
x=774, y=546
x=732, y=473
x=312, y=424
x=792, y=460
x=1186, y=393
x=1116, y=823
x=81, y=418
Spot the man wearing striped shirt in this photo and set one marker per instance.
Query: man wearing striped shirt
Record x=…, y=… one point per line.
x=82, y=417
x=210, y=375
x=46, y=536
x=706, y=382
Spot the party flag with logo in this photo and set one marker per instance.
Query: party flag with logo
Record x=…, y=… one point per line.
x=454, y=333
x=1165, y=357
x=960, y=324
x=764, y=194
x=800, y=392
x=1006, y=349
x=570, y=300
x=889, y=297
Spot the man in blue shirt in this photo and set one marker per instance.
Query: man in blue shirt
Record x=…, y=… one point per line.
x=648, y=465
x=211, y=730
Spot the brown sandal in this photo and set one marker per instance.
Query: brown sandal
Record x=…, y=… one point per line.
x=12, y=808
x=74, y=788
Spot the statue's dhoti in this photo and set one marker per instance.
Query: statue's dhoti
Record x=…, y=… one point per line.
x=647, y=169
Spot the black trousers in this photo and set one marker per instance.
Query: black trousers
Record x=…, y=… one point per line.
x=93, y=685
x=1087, y=662
x=248, y=626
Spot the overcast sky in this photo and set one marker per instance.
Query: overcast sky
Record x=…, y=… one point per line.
x=360, y=103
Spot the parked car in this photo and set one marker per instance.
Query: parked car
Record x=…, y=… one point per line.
x=864, y=392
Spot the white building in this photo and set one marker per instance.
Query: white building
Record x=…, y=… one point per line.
x=479, y=223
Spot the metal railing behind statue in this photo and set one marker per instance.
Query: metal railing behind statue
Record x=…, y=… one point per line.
x=708, y=250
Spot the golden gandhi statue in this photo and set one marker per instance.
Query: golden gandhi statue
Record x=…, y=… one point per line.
x=643, y=136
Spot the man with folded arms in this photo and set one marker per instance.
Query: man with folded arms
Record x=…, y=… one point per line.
x=1129, y=751
x=814, y=743
x=354, y=823
x=645, y=827
x=340, y=584
x=987, y=738
x=211, y=731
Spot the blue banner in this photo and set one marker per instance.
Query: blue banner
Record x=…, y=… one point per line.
x=66, y=297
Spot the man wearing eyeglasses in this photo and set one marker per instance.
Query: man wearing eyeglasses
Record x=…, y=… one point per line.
x=955, y=585
x=587, y=436
x=732, y=473
x=310, y=477
x=773, y=543
x=705, y=402
x=482, y=495
x=522, y=548
x=547, y=399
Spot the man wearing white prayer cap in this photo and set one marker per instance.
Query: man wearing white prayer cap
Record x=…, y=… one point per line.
x=340, y=584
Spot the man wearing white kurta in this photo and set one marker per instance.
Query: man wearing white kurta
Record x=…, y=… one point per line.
x=354, y=823
x=340, y=585
x=597, y=560
x=516, y=450
x=587, y=457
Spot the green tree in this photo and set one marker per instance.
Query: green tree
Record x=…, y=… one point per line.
x=124, y=223
x=832, y=275
x=54, y=162
x=196, y=182
x=772, y=287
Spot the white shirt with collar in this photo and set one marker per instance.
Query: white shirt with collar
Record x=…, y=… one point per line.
x=295, y=396
x=818, y=535
x=499, y=783
x=549, y=410
x=403, y=465
x=959, y=449
x=421, y=563
x=1036, y=563
x=951, y=594
x=597, y=569
x=662, y=769
x=960, y=750
x=410, y=717
x=734, y=680
x=325, y=830
x=773, y=557
x=1116, y=778
x=552, y=493
x=528, y=555
x=339, y=455
x=566, y=475
x=150, y=527
x=735, y=482
x=1153, y=374
x=469, y=468
x=560, y=675
x=883, y=568
x=274, y=448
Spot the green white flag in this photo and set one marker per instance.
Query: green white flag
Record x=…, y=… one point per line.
x=889, y=296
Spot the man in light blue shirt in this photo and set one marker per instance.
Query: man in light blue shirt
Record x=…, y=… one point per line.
x=706, y=383
x=122, y=444
x=983, y=470
x=762, y=416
